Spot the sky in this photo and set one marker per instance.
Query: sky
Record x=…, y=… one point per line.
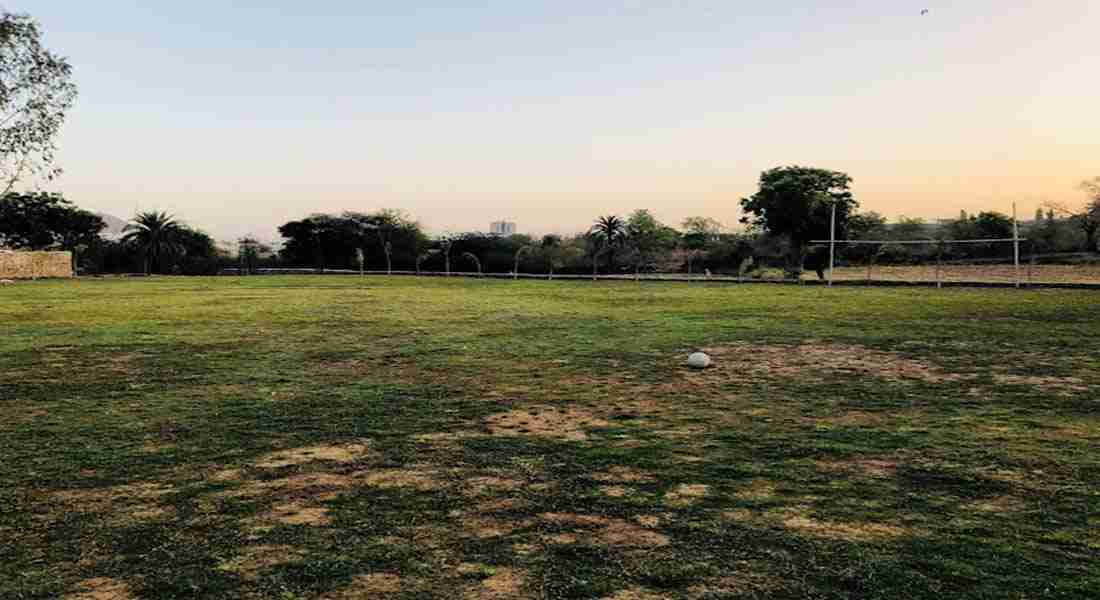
x=238, y=116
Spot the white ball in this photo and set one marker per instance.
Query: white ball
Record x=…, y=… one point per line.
x=699, y=360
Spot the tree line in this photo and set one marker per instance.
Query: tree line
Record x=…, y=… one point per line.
x=785, y=220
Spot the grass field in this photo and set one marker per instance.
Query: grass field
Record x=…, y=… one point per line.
x=326, y=438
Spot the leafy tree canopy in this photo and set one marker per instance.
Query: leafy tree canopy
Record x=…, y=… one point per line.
x=797, y=202
x=40, y=221
x=36, y=91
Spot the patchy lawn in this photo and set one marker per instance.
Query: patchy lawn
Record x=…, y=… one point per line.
x=326, y=438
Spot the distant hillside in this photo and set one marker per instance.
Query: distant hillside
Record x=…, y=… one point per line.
x=114, y=227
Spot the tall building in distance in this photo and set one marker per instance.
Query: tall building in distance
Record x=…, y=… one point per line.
x=502, y=228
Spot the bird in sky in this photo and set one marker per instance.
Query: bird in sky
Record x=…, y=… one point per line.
x=924, y=12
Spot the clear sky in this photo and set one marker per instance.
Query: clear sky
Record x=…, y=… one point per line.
x=237, y=116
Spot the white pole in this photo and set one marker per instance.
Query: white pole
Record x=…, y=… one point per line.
x=832, y=244
x=1016, y=244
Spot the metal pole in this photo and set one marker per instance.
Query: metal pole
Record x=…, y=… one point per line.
x=832, y=244
x=1016, y=244
x=939, y=265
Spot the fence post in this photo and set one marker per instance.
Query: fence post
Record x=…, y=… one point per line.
x=1016, y=244
x=832, y=244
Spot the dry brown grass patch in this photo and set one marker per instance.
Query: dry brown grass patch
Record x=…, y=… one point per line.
x=876, y=468
x=315, y=484
x=296, y=512
x=132, y=501
x=489, y=484
x=686, y=494
x=224, y=475
x=651, y=521
x=618, y=474
x=545, y=421
x=1063, y=385
x=483, y=527
x=101, y=588
x=783, y=362
x=615, y=491
x=852, y=531
x=608, y=532
x=505, y=583
x=415, y=477
x=345, y=453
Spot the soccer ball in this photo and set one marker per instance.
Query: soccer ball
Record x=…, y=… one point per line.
x=699, y=360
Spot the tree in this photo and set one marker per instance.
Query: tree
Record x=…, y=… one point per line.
x=700, y=233
x=36, y=91
x=1088, y=218
x=387, y=226
x=40, y=221
x=647, y=237
x=796, y=202
x=909, y=228
x=156, y=235
x=608, y=233
x=866, y=226
x=705, y=227
x=192, y=252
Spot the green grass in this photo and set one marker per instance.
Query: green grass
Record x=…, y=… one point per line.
x=504, y=439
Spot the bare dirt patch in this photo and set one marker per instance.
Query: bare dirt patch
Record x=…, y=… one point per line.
x=101, y=588
x=565, y=423
x=686, y=494
x=615, y=491
x=419, y=478
x=870, y=467
x=783, y=362
x=477, y=486
x=505, y=583
x=483, y=527
x=299, y=456
x=296, y=512
x=606, y=531
x=499, y=504
x=133, y=501
x=1062, y=385
x=619, y=474
x=852, y=531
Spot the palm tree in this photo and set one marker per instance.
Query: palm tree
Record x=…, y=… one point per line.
x=155, y=233
x=610, y=231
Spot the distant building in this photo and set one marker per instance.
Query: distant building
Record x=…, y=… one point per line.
x=502, y=228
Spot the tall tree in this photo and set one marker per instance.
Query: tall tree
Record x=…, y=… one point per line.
x=388, y=227
x=648, y=237
x=156, y=235
x=609, y=233
x=36, y=91
x=796, y=202
x=1088, y=218
x=40, y=221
